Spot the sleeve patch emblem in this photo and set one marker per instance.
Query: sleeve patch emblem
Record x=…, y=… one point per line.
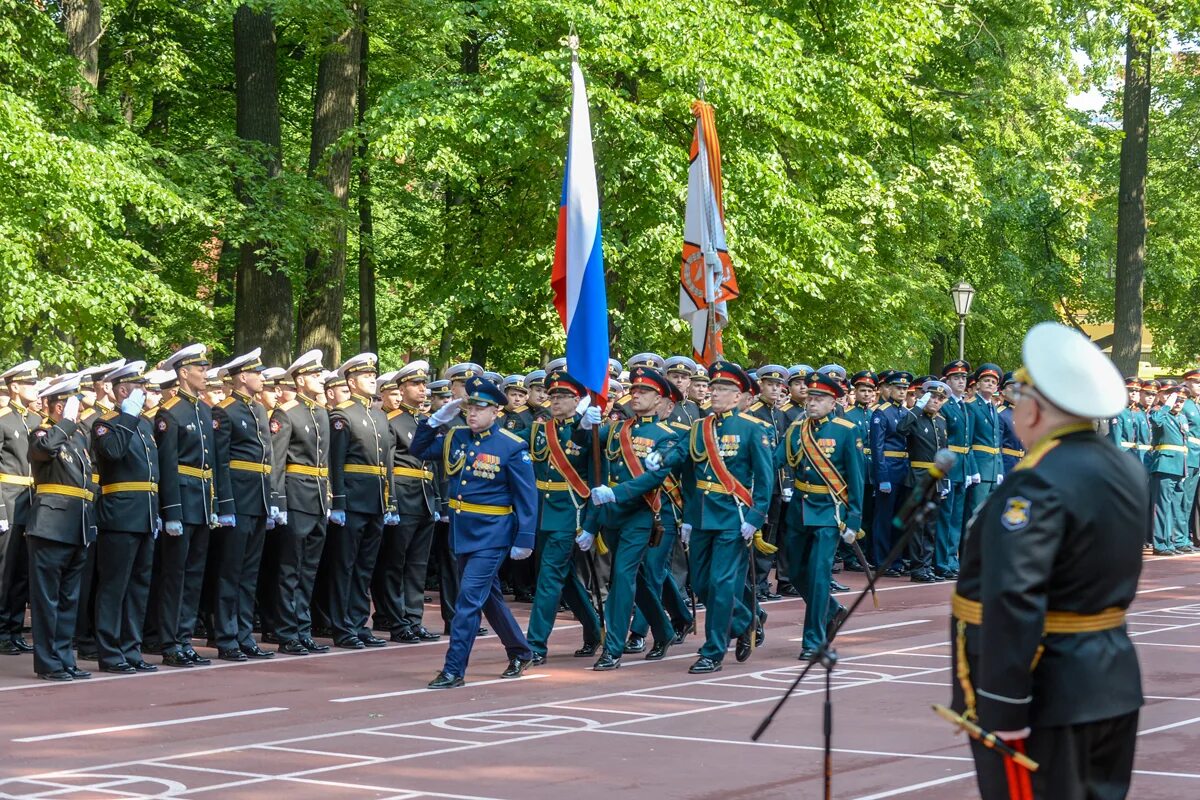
x=339, y=424
x=162, y=424
x=101, y=430
x=1016, y=514
x=275, y=426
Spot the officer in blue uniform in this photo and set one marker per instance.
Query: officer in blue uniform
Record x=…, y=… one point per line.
x=889, y=459
x=987, y=467
x=493, y=514
x=958, y=437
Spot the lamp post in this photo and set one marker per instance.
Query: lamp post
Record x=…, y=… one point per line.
x=962, y=293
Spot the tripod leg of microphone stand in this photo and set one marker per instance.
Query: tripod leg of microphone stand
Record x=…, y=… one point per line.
x=828, y=731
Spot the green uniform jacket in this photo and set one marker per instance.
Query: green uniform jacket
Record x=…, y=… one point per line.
x=1122, y=432
x=959, y=431
x=1169, y=432
x=1192, y=412
x=985, y=439
x=630, y=511
x=813, y=505
x=559, y=508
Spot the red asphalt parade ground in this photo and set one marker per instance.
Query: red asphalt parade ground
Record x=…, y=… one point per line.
x=360, y=724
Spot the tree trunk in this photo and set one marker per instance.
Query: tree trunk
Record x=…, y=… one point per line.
x=334, y=105
x=1131, y=209
x=368, y=339
x=81, y=23
x=263, y=301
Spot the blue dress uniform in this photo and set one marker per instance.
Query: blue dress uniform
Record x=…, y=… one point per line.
x=889, y=459
x=1168, y=472
x=243, y=438
x=61, y=526
x=985, y=443
x=563, y=479
x=493, y=509
x=826, y=456
x=300, y=482
x=959, y=432
x=718, y=519
x=630, y=522
x=16, y=497
x=126, y=459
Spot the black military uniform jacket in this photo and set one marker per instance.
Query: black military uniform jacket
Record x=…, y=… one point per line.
x=360, y=457
x=1058, y=544
x=187, y=458
x=16, y=481
x=125, y=457
x=416, y=491
x=926, y=435
x=243, y=440
x=62, y=508
x=684, y=413
x=300, y=443
x=518, y=420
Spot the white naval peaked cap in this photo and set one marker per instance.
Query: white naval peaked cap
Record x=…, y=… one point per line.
x=646, y=360
x=460, y=372
x=556, y=364
x=273, y=374
x=100, y=372
x=160, y=377
x=25, y=371
x=363, y=362
x=309, y=362
x=213, y=376
x=387, y=380
x=131, y=372
x=1070, y=371
x=186, y=356
x=247, y=362
x=413, y=371
x=62, y=385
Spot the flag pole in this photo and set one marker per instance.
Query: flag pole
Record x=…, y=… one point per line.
x=710, y=252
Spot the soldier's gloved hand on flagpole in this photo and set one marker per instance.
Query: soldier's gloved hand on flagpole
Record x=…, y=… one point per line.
x=584, y=540
x=885, y=487
x=590, y=419
x=685, y=533
x=446, y=413
x=748, y=531
x=132, y=405
x=653, y=460
x=519, y=553
x=923, y=401
x=602, y=495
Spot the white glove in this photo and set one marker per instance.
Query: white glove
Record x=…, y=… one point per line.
x=3, y=526
x=999, y=478
x=591, y=418
x=602, y=495
x=923, y=401
x=885, y=487
x=1010, y=736
x=391, y=518
x=583, y=405
x=748, y=531
x=685, y=533
x=584, y=540
x=174, y=528
x=71, y=409
x=226, y=520
x=281, y=518
x=157, y=525
x=848, y=536
x=520, y=553
x=436, y=517
x=337, y=517
x=653, y=460
x=132, y=405
x=446, y=413
x=787, y=494
x=270, y=524
x=973, y=479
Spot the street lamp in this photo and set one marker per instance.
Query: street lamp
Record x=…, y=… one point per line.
x=963, y=293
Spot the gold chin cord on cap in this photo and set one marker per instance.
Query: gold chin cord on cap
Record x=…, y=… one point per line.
x=1023, y=377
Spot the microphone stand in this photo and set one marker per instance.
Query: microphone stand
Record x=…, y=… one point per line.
x=827, y=657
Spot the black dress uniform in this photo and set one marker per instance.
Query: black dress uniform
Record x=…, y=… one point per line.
x=191, y=473
x=300, y=440
x=127, y=515
x=16, y=498
x=61, y=526
x=926, y=435
x=243, y=440
x=360, y=457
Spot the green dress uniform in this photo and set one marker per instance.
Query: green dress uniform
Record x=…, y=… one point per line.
x=825, y=501
x=1168, y=471
x=986, y=460
x=1183, y=536
x=560, y=518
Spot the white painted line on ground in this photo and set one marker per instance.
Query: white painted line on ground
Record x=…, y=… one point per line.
x=1167, y=644
x=140, y=725
x=599, y=710
x=917, y=786
x=1166, y=774
x=422, y=736
x=748, y=743
x=281, y=748
x=1168, y=697
x=424, y=690
x=638, y=662
x=879, y=627
x=1170, y=726
x=1159, y=589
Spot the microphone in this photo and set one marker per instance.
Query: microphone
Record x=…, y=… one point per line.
x=943, y=462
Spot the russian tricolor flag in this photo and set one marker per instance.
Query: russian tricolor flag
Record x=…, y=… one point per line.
x=578, y=276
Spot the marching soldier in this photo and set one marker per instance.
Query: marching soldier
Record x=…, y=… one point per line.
x=361, y=446
x=772, y=381
x=889, y=458
x=493, y=515
x=1168, y=467
x=987, y=465
x=959, y=434
x=243, y=441
x=1050, y=563
x=619, y=409
x=561, y=468
x=301, y=492
x=127, y=515
x=925, y=430
x=698, y=391
x=399, y=588
x=61, y=525
x=17, y=421
x=825, y=454
x=191, y=473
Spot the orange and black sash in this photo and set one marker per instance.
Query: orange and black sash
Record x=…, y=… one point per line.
x=653, y=498
x=726, y=478
x=814, y=453
x=558, y=458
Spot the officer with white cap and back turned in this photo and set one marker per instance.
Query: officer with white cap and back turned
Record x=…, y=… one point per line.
x=1050, y=563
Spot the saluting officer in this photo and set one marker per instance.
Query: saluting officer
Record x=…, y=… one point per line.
x=925, y=429
x=61, y=526
x=493, y=505
x=243, y=440
x=825, y=454
x=16, y=497
x=127, y=515
x=191, y=473
x=300, y=484
x=399, y=586
x=889, y=458
x=361, y=446
x=1049, y=566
